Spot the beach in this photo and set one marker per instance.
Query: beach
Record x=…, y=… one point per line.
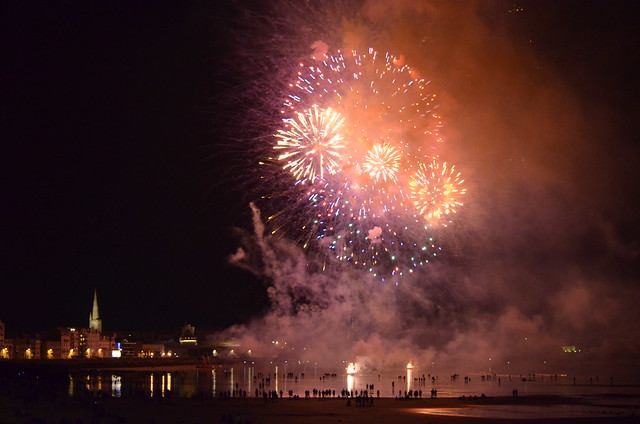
x=94, y=410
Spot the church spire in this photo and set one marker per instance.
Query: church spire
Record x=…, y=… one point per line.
x=94, y=317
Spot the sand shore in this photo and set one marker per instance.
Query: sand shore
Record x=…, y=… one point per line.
x=15, y=410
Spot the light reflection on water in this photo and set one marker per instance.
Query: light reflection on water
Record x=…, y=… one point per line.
x=530, y=411
x=135, y=382
x=116, y=386
x=241, y=380
x=213, y=383
x=351, y=382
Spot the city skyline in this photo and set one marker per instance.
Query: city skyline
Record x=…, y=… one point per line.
x=94, y=322
x=91, y=342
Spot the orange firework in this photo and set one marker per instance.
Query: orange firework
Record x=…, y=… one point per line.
x=382, y=162
x=436, y=189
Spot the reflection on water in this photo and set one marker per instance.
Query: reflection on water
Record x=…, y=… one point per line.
x=247, y=380
x=213, y=383
x=135, y=382
x=351, y=382
x=531, y=411
x=116, y=386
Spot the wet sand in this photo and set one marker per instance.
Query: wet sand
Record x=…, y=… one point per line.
x=91, y=410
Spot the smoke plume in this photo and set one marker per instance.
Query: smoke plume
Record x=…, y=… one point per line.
x=535, y=260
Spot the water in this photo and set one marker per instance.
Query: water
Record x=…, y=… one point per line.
x=235, y=380
x=532, y=411
x=565, y=397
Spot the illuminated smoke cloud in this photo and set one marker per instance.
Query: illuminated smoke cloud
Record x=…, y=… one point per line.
x=533, y=262
x=320, y=49
x=237, y=257
x=375, y=232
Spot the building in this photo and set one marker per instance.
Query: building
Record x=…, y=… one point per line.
x=95, y=322
x=152, y=350
x=6, y=347
x=69, y=343
x=23, y=346
x=89, y=342
x=188, y=336
x=63, y=342
x=97, y=344
x=27, y=346
x=51, y=349
x=94, y=343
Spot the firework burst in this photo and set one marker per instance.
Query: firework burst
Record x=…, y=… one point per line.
x=436, y=190
x=359, y=132
x=381, y=98
x=311, y=143
x=382, y=162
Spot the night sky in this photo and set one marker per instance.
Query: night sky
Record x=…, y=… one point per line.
x=106, y=180
x=111, y=132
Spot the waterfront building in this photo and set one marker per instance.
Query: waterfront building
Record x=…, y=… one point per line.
x=152, y=350
x=6, y=346
x=69, y=343
x=27, y=346
x=95, y=322
x=188, y=336
x=51, y=349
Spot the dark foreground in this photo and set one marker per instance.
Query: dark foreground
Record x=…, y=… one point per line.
x=91, y=410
